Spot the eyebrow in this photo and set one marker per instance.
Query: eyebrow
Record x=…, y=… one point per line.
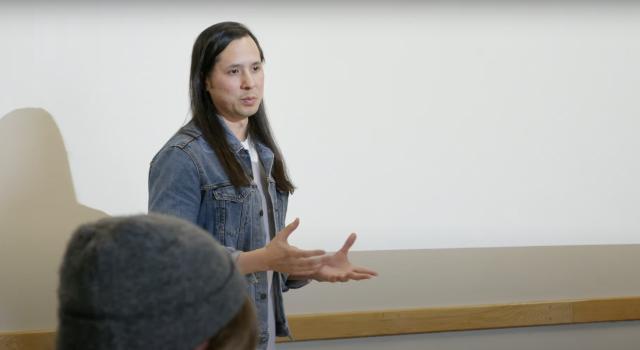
x=237, y=65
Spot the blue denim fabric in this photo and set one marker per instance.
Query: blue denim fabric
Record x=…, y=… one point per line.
x=187, y=180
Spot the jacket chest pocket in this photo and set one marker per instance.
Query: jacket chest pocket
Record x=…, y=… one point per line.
x=230, y=205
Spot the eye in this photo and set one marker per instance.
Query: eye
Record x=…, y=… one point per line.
x=257, y=68
x=234, y=71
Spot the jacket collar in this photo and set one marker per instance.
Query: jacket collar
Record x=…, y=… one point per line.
x=192, y=130
x=264, y=152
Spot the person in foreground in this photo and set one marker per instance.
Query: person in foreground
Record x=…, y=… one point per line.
x=151, y=282
x=224, y=172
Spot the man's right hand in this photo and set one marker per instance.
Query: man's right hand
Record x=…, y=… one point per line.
x=283, y=257
x=280, y=256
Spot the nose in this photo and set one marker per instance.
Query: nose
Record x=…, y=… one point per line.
x=248, y=81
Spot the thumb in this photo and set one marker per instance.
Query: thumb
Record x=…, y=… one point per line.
x=288, y=230
x=348, y=243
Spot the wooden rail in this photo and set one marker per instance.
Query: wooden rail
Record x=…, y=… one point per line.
x=443, y=319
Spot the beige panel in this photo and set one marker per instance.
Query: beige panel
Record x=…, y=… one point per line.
x=38, y=212
x=476, y=276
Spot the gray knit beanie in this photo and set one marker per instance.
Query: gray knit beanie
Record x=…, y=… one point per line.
x=145, y=282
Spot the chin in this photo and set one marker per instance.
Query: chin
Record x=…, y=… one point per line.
x=250, y=113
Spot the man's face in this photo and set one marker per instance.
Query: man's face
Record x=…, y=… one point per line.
x=236, y=81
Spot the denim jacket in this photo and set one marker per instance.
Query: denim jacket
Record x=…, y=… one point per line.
x=187, y=180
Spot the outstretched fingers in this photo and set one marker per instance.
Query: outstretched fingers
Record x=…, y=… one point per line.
x=301, y=253
x=314, y=263
x=343, y=277
x=306, y=265
x=288, y=230
x=359, y=276
x=364, y=271
x=348, y=243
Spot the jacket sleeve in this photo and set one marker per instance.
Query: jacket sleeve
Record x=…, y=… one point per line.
x=174, y=185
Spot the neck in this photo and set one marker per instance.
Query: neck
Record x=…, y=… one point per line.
x=238, y=127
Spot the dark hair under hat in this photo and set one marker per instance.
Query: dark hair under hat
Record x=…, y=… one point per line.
x=145, y=282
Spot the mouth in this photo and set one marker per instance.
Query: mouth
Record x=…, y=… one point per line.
x=249, y=100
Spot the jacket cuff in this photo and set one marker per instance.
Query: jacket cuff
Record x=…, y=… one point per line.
x=234, y=253
x=293, y=284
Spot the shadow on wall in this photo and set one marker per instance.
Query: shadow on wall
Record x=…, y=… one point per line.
x=38, y=212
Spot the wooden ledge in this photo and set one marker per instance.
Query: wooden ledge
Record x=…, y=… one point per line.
x=443, y=319
x=31, y=340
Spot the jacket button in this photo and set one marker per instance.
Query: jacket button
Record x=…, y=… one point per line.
x=261, y=212
x=263, y=296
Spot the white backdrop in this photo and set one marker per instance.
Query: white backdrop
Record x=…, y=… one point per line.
x=417, y=126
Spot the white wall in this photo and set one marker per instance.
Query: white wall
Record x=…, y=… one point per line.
x=491, y=124
x=508, y=124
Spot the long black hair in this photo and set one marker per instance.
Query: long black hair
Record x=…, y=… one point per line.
x=209, y=44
